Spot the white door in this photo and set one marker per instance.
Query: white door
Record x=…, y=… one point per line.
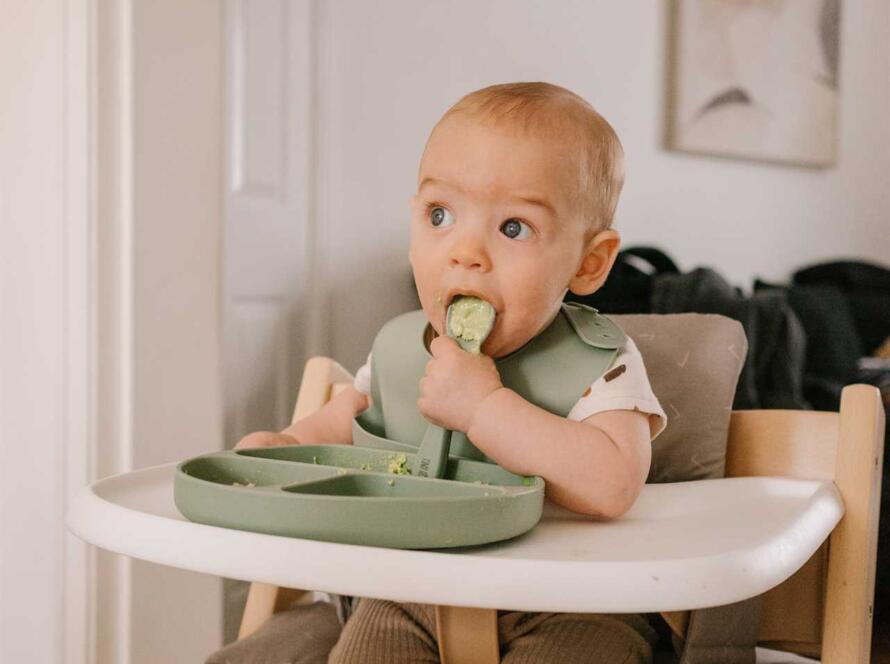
x=268, y=199
x=267, y=184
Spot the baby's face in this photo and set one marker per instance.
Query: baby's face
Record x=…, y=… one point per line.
x=494, y=217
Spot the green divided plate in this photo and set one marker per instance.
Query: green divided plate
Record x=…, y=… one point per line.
x=348, y=494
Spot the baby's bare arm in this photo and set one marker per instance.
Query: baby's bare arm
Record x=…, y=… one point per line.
x=331, y=424
x=596, y=467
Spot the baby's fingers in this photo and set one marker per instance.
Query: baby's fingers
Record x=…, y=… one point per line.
x=264, y=439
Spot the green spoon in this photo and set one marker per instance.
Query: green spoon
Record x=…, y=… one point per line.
x=469, y=321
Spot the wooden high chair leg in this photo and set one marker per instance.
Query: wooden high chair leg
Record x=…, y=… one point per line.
x=849, y=597
x=467, y=636
x=322, y=379
x=263, y=600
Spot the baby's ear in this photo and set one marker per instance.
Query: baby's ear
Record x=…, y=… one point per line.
x=596, y=262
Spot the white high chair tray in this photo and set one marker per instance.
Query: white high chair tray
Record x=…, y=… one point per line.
x=681, y=546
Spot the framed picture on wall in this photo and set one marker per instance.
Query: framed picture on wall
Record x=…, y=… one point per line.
x=755, y=79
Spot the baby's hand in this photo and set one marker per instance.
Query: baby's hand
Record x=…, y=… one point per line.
x=265, y=439
x=454, y=385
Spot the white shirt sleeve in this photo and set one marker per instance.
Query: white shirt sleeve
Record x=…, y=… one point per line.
x=623, y=386
x=362, y=381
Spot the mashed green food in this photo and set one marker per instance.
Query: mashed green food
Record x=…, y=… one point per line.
x=470, y=318
x=398, y=465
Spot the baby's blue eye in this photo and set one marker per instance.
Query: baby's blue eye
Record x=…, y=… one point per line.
x=440, y=216
x=516, y=229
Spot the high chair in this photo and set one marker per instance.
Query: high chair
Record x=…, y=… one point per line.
x=825, y=607
x=801, y=502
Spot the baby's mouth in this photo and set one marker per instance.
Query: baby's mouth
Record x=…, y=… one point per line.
x=453, y=295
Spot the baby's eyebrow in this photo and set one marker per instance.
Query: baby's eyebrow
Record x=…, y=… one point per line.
x=428, y=180
x=538, y=201
x=527, y=198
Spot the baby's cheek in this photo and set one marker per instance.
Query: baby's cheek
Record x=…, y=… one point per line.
x=539, y=308
x=536, y=300
x=421, y=281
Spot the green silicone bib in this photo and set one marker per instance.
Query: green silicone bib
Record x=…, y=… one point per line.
x=360, y=494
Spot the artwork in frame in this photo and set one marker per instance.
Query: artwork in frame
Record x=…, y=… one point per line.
x=755, y=79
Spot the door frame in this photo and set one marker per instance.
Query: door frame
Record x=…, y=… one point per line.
x=80, y=306
x=101, y=177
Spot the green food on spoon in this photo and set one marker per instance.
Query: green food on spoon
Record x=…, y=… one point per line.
x=469, y=321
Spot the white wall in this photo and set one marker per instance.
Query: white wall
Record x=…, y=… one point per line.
x=32, y=337
x=389, y=69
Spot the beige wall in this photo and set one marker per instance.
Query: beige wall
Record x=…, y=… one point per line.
x=176, y=616
x=394, y=66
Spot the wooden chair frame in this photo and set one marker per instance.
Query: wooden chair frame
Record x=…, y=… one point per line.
x=823, y=610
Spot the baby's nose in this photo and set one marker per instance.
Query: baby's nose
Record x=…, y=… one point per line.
x=470, y=254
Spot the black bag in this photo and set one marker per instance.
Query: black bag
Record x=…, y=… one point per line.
x=628, y=290
x=867, y=287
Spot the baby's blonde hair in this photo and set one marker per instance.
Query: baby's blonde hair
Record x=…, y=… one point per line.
x=550, y=110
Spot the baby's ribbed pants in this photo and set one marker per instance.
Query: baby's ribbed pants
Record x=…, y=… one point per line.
x=382, y=632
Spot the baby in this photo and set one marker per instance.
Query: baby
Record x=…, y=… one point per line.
x=517, y=189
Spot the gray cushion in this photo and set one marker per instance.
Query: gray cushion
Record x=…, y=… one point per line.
x=693, y=362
